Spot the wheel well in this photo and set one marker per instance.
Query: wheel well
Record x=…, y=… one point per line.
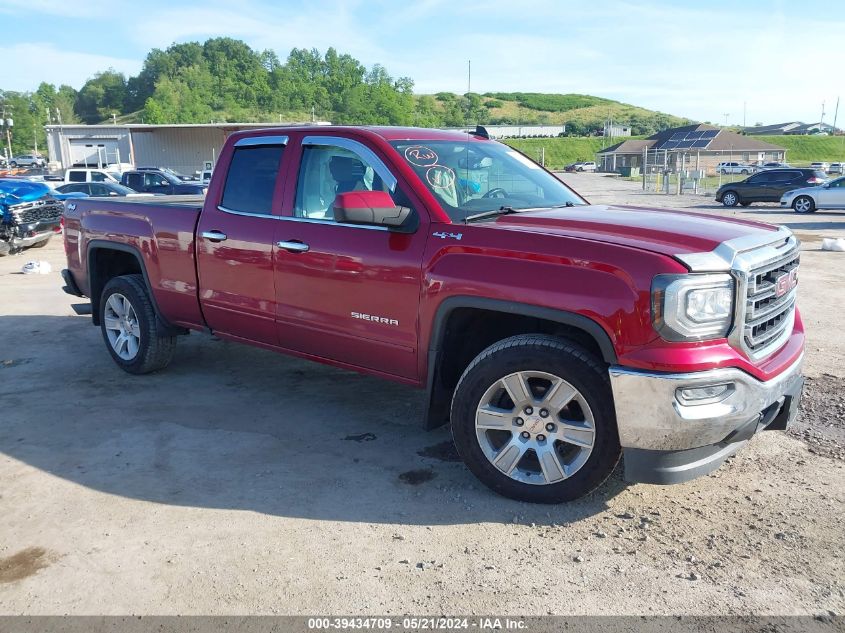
x=468, y=331
x=105, y=264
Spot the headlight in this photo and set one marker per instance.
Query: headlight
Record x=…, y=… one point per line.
x=692, y=307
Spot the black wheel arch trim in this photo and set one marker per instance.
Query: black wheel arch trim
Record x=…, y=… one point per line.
x=437, y=404
x=163, y=327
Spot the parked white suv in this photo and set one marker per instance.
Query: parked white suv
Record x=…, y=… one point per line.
x=735, y=168
x=821, y=166
x=587, y=166
x=89, y=175
x=28, y=160
x=836, y=168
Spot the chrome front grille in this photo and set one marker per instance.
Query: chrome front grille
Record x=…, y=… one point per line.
x=48, y=209
x=769, y=315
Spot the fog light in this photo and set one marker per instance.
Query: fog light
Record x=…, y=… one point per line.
x=705, y=394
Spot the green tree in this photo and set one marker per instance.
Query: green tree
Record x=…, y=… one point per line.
x=103, y=94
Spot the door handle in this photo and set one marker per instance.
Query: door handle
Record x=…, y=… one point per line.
x=214, y=236
x=293, y=246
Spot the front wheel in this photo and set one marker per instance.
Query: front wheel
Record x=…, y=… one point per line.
x=533, y=419
x=128, y=324
x=13, y=164
x=803, y=204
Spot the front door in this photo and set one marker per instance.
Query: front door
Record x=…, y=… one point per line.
x=235, y=253
x=347, y=292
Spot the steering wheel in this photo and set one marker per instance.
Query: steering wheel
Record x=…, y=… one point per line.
x=496, y=192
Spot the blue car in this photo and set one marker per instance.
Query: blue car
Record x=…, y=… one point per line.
x=30, y=214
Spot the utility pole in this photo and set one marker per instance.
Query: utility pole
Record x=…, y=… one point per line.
x=8, y=122
x=835, y=115
x=821, y=121
x=469, y=76
x=744, y=103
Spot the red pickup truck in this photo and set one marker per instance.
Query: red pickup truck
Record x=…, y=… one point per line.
x=553, y=335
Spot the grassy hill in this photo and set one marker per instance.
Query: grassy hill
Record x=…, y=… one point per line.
x=581, y=113
x=559, y=151
x=806, y=149
x=801, y=150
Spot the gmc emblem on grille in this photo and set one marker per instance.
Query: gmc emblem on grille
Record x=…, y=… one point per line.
x=786, y=282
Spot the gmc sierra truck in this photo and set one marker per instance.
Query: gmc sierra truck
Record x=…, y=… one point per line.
x=553, y=335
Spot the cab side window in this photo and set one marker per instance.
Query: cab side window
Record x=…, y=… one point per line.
x=251, y=179
x=326, y=171
x=135, y=181
x=98, y=177
x=154, y=180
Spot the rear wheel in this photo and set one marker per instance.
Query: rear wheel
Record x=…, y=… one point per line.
x=533, y=419
x=803, y=204
x=744, y=172
x=128, y=324
x=730, y=199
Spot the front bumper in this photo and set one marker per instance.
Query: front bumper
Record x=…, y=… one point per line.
x=668, y=441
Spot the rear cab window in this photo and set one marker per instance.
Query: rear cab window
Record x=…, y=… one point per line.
x=251, y=179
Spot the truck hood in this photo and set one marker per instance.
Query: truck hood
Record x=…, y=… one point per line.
x=16, y=191
x=659, y=230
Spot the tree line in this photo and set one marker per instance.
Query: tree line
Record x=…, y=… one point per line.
x=224, y=80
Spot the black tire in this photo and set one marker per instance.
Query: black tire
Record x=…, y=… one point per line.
x=154, y=351
x=560, y=357
x=13, y=164
x=804, y=204
x=744, y=172
x=745, y=204
x=730, y=198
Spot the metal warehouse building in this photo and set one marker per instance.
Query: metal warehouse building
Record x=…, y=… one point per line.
x=182, y=147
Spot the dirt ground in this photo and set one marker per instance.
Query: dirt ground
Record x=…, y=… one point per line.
x=239, y=481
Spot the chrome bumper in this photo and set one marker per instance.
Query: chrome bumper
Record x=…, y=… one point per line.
x=651, y=416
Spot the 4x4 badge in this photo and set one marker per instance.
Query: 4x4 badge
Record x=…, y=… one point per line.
x=443, y=236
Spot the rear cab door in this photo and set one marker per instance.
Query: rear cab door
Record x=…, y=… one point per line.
x=345, y=292
x=235, y=240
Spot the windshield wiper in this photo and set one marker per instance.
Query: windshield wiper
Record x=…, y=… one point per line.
x=508, y=210
x=492, y=213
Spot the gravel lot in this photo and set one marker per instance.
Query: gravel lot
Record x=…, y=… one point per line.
x=240, y=481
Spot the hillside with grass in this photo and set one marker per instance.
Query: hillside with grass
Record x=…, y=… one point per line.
x=559, y=152
x=582, y=114
x=807, y=149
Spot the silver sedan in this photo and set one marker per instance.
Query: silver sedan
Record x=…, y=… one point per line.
x=830, y=195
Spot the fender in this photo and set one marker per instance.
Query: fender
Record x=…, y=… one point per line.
x=439, y=399
x=163, y=327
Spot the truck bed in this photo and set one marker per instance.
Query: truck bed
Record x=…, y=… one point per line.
x=159, y=230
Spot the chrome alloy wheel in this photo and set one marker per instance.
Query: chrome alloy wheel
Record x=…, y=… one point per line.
x=535, y=427
x=729, y=199
x=803, y=204
x=122, y=327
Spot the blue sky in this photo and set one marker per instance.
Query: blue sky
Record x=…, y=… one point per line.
x=698, y=59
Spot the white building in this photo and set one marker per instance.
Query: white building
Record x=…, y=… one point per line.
x=182, y=147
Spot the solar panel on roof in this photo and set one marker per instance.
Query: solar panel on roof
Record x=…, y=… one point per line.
x=701, y=143
x=677, y=136
x=693, y=135
x=709, y=133
x=669, y=145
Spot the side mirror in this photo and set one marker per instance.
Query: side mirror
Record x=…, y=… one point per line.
x=369, y=207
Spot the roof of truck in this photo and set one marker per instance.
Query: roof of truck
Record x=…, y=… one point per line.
x=388, y=133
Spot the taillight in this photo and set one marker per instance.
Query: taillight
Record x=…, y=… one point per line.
x=815, y=181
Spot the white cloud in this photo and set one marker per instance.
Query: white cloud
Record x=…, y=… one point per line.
x=32, y=63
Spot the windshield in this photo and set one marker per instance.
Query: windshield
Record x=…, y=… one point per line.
x=473, y=177
x=174, y=173
x=121, y=189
